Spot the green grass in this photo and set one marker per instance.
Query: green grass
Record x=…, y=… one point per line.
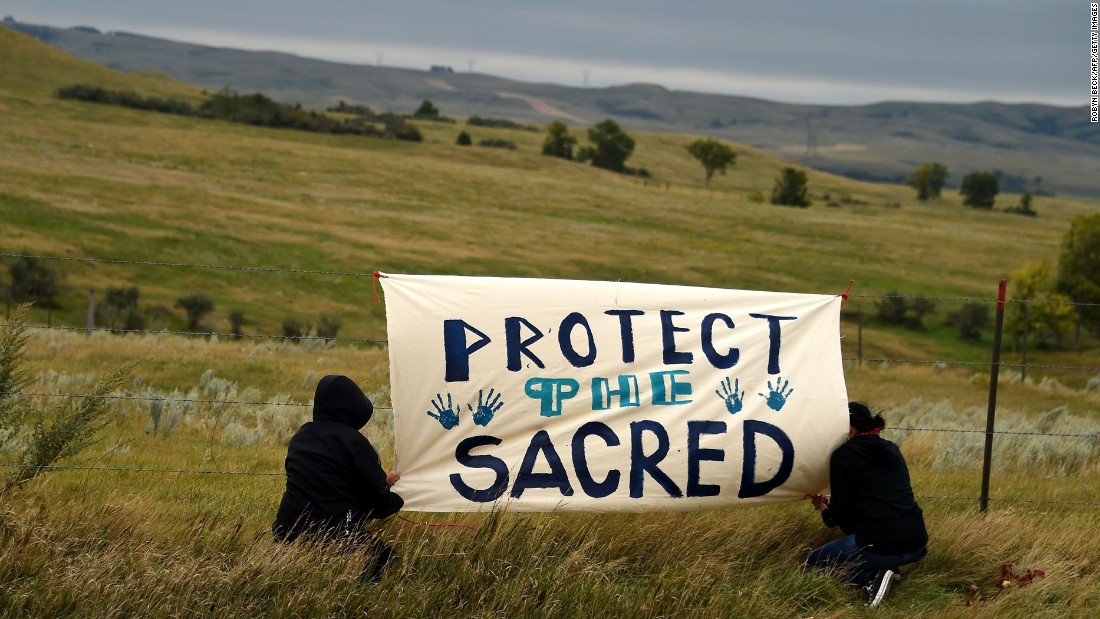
x=82, y=180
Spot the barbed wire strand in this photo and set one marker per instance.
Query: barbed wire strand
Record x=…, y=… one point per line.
x=192, y=265
x=164, y=399
x=371, y=274
x=1003, y=364
x=1005, y=500
x=230, y=336
x=125, y=469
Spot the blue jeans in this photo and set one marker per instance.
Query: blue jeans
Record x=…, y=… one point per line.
x=858, y=565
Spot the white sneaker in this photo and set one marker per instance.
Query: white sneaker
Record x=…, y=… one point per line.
x=880, y=584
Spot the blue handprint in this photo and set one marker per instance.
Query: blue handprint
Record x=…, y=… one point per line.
x=776, y=398
x=447, y=417
x=730, y=396
x=486, y=407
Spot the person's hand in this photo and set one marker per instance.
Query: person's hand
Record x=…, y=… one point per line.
x=820, y=501
x=392, y=478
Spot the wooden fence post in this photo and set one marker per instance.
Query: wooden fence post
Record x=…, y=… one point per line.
x=994, y=374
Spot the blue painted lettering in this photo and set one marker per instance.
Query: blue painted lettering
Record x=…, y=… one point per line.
x=668, y=339
x=589, y=485
x=774, y=339
x=627, y=392
x=749, y=486
x=722, y=362
x=463, y=456
x=551, y=393
x=456, y=352
x=517, y=346
x=642, y=463
x=667, y=390
x=697, y=454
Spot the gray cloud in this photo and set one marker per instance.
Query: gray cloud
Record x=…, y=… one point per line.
x=843, y=51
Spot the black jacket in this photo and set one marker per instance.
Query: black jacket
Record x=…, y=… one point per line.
x=334, y=477
x=872, y=496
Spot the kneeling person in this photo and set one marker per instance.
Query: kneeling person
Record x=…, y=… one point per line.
x=334, y=478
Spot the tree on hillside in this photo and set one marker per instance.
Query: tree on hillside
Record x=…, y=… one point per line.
x=909, y=312
x=928, y=180
x=790, y=188
x=328, y=326
x=32, y=281
x=1024, y=207
x=121, y=308
x=1079, y=267
x=427, y=109
x=980, y=189
x=713, y=155
x=197, y=305
x=558, y=142
x=1040, y=311
x=611, y=147
x=464, y=139
x=970, y=320
x=237, y=320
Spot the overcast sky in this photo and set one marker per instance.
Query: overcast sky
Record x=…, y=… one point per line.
x=806, y=51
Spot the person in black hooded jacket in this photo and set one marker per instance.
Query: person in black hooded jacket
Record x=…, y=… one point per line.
x=873, y=504
x=334, y=478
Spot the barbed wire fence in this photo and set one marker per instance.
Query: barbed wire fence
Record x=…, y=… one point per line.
x=994, y=365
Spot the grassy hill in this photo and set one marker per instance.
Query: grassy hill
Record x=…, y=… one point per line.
x=85, y=180
x=883, y=142
x=145, y=534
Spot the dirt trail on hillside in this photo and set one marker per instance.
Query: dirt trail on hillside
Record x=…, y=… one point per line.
x=542, y=107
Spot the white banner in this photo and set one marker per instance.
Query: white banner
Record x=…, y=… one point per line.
x=538, y=395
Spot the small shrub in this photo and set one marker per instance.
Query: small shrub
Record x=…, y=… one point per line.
x=328, y=327
x=236, y=321
x=971, y=319
x=497, y=143
x=463, y=139
x=197, y=305
x=790, y=189
x=294, y=329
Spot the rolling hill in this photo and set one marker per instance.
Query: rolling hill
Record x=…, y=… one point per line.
x=86, y=180
x=1045, y=149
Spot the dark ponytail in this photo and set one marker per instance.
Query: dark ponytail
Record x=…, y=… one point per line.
x=860, y=418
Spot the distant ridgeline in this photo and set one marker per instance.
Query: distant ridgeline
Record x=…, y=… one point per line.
x=257, y=109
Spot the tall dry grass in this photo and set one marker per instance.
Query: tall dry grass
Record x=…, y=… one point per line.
x=124, y=542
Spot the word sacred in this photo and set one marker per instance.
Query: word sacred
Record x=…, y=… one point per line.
x=641, y=464
x=521, y=336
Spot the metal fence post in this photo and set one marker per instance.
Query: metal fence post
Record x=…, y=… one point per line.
x=1023, y=361
x=994, y=375
x=859, y=339
x=91, y=310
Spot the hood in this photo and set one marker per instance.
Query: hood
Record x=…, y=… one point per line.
x=339, y=399
x=877, y=450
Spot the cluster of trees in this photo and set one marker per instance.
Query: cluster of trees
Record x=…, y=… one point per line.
x=464, y=139
x=253, y=109
x=499, y=123
x=1053, y=302
x=979, y=189
x=32, y=281
x=609, y=149
x=428, y=111
x=610, y=145
x=197, y=306
x=928, y=180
